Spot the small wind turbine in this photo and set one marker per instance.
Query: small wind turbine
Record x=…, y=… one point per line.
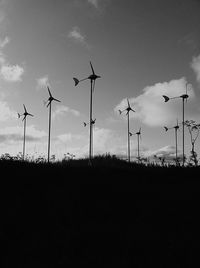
x=50, y=99
x=92, y=79
x=25, y=114
x=176, y=128
x=139, y=136
x=184, y=98
x=128, y=110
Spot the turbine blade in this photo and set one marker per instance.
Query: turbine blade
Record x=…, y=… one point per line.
x=48, y=104
x=130, y=134
x=25, y=108
x=56, y=100
x=30, y=114
x=120, y=112
x=166, y=98
x=76, y=81
x=92, y=68
x=132, y=110
x=19, y=115
x=166, y=128
x=128, y=103
x=24, y=118
x=49, y=91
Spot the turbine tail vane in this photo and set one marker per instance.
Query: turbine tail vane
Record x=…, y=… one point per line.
x=76, y=81
x=165, y=98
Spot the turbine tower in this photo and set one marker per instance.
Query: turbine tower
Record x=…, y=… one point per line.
x=176, y=128
x=92, y=79
x=93, y=123
x=139, y=136
x=50, y=99
x=25, y=114
x=184, y=98
x=128, y=110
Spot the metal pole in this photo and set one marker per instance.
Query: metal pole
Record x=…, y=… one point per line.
x=183, y=135
x=138, y=148
x=176, y=145
x=24, y=138
x=128, y=140
x=90, y=142
x=49, y=139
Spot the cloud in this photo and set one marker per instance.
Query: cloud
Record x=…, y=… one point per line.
x=150, y=107
x=11, y=73
x=168, y=152
x=5, y=112
x=94, y=3
x=195, y=65
x=4, y=42
x=61, y=110
x=76, y=35
x=15, y=134
x=42, y=82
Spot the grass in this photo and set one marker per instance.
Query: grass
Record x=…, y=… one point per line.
x=105, y=215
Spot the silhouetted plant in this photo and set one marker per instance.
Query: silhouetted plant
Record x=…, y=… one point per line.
x=193, y=129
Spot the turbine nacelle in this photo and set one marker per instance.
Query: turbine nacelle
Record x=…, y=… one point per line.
x=25, y=114
x=91, y=77
x=51, y=98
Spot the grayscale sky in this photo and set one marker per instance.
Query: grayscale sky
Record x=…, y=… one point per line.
x=142, y=49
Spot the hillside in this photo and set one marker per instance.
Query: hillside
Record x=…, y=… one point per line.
x=105, y=215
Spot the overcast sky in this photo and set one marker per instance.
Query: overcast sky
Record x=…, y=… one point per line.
x=142, y=49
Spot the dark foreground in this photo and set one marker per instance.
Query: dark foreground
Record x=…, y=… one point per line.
x=107, y=215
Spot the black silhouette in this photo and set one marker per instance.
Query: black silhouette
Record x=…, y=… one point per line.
x=127, y=110
x=50, y=99
x=92, y=79
x=184, y=98
x=25, y=114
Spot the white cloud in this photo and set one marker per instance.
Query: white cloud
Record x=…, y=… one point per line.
x=150, y=107
x=195, y=65
x=76, y=35
x=4, y=42
x=42, y=82
x=61, y=110
x=5, y=112
x=15, y=134
x=168, y=152
x=11, y=73
x=94, y=3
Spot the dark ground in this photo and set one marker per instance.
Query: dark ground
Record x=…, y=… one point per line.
x=108, y=215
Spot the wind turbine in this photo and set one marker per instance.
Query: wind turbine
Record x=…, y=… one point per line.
x=92, y=79
x=50, y=99
x=139, y=136
x=184, y=98
x=25, y=114
x=128, y=110
x=176, y=128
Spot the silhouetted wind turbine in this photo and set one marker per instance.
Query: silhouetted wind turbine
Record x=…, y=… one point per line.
x=92, y=79
x=184, y=98
x=128, y=110
x=139, y=136
x=50, y=99
x=176, y=128
x=25, y=114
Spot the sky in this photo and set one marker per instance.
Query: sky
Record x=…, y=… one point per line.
x=142, y=49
